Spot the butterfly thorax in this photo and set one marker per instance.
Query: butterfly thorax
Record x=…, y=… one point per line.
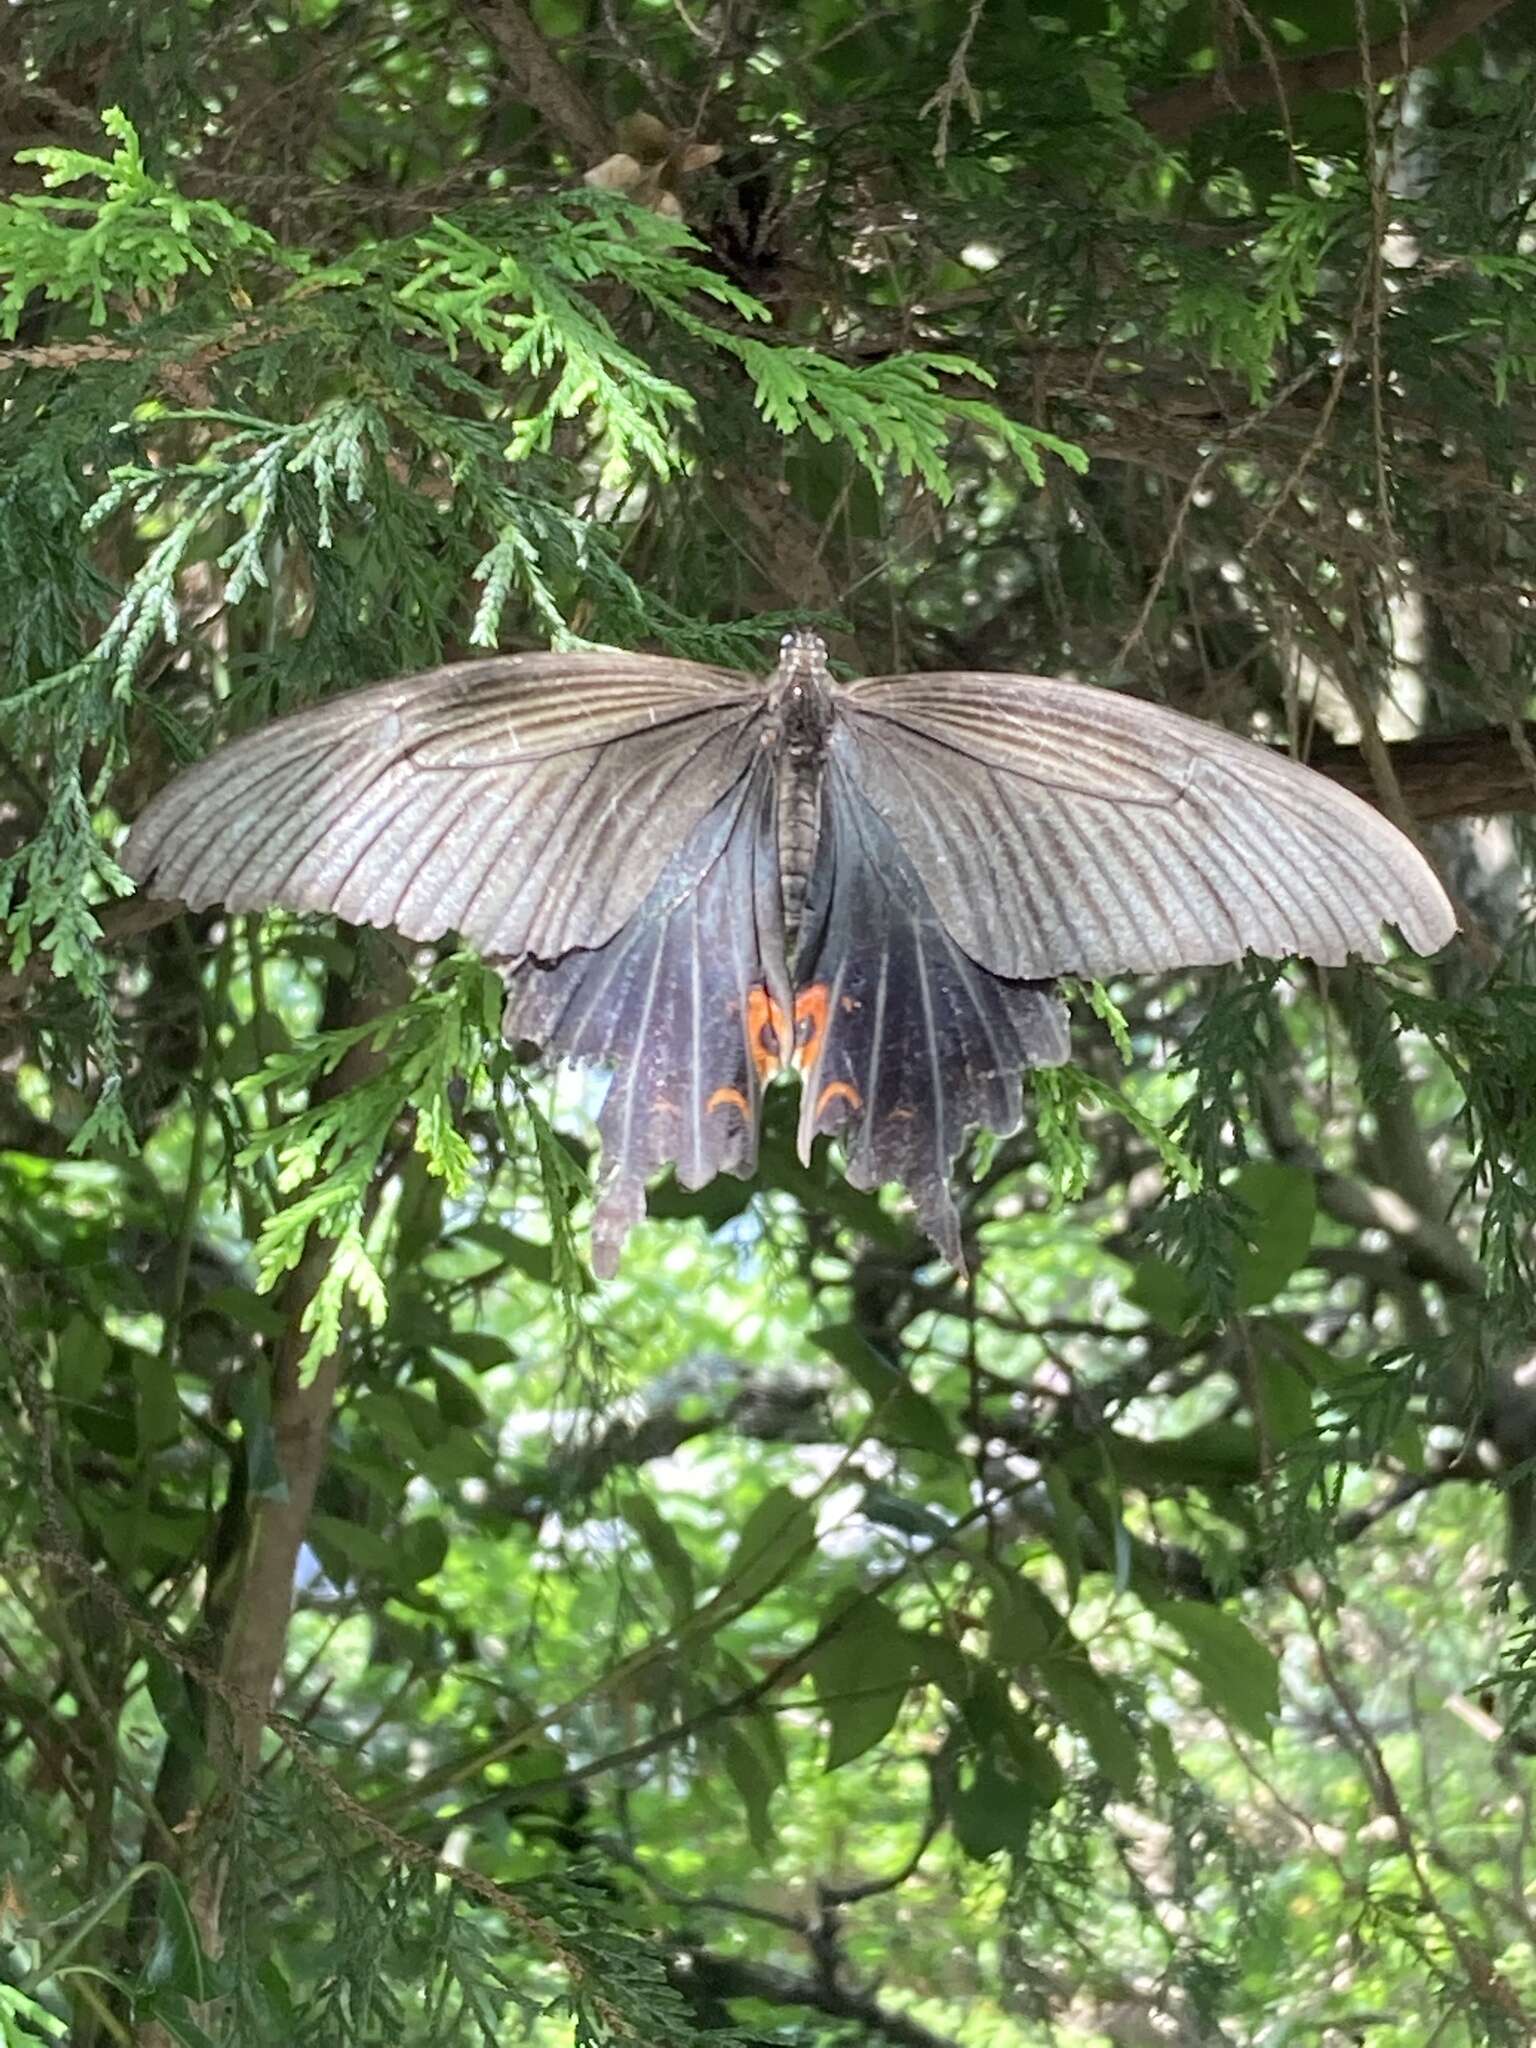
x=800, y=697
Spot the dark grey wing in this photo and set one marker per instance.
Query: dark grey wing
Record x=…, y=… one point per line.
x=527, y=801
x=1061, y=829
x=905, y=1043
x=684, y=1002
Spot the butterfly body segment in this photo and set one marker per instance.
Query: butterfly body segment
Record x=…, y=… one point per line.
x=703, y=881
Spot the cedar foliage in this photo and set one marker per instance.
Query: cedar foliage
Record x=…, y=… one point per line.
x=787, y=1643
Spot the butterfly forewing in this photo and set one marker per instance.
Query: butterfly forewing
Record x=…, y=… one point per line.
x=1061, y=829
x=529, y=802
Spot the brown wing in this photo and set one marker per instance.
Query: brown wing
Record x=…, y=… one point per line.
x=528, y=801
x=1061, y=829
x=682, y=1003
x=905, y=1042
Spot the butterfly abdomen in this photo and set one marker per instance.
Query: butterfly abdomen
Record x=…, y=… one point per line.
x=800, y=697
x=799, y=827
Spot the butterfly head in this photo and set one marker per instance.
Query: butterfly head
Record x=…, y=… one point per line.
x=801, y=685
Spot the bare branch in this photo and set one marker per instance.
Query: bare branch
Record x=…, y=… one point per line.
x=735, y=1977
x=1178, y=112
x=702, y=1397
x=546, y=82
x=1457, y=775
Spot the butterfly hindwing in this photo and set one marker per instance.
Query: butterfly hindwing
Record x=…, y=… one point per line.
x=682, y=1003
x=905, y=1044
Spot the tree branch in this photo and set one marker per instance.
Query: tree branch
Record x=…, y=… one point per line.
x=1456, y=775
x=734, y=1977
x=702, y=1397
x=1178, y=112
x=548, y=86
x=252, y=1651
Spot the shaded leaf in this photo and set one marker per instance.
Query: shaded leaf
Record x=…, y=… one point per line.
x=251, y=1403
x=1164, y=1291
x=167, y=1690
x=943, y=1663
x=176, y=2024
x=524, y=1255
x=1087, y=1704
x=999, y=1726
x=861, y=1676
x=901, y=1414
x=910, y=1517
x=755, y=1768
x=1066, y=1515
x=779, y=1537
x=158, y=1409
x=459, y=1405
x=1285, y=1401
x=476, y=1347
x=993, y=1812
x=1022, y=1625
x=673, y=1565
x=346, y=1548
x=423, y=1549
x=1238, y=1674
x=1282, y=1201
x=1222, y=1454
x=176, y=1962
x=83, y=1355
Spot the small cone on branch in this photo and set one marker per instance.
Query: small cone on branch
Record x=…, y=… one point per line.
x=651, y=164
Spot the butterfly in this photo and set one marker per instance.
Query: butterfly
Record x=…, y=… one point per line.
x=702, y=880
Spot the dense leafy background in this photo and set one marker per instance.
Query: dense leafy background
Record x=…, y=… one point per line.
x=786, y=1643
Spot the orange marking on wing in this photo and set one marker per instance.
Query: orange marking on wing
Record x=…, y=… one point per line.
x=729, y=1098
x=832, y=1092
x=810, y=1025
x=766, y=1033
